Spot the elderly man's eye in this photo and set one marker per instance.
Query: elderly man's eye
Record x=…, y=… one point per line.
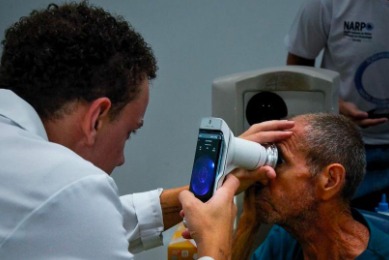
x=280, y=158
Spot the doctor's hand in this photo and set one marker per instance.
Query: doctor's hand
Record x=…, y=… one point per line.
x=266, y=132
x=248, y=178
x=269, y=131
x=210, y=224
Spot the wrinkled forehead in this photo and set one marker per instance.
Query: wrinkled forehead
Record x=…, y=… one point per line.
x=297, y=142
x=301, y=126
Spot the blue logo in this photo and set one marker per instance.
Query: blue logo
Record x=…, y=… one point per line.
x=359, y=75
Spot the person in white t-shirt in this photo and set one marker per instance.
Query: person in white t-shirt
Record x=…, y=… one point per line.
x=74, y=86
x=352, y=37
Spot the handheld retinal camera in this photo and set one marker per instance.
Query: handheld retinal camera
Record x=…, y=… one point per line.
x=218, y=152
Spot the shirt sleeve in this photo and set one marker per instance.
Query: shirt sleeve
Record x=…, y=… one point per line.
x=310, y=29
x=143, y=220
x=83, y=220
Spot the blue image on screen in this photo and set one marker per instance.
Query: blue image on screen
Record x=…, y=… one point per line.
x=203, y=175
x=205, y=166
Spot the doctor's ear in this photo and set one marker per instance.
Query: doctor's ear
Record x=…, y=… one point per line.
x=332, y=181
x=95, y=117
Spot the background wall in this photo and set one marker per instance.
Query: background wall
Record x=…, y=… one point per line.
x=195, y=42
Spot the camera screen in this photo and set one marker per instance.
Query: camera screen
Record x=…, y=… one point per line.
x=206, y=163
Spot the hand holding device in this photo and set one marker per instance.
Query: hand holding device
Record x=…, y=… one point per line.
x=211, y=230
x=218, y=152
x=379, y=113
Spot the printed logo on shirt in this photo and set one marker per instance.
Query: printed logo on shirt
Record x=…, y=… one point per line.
x=375, y=93
x=358, y=31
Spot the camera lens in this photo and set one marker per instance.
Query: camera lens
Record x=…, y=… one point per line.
x=265, y=106
x=272, y=155
x=203, y=176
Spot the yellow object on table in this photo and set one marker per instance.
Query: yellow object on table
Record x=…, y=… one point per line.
x=180, y=248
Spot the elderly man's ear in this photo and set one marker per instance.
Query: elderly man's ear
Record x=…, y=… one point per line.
x=331, y=181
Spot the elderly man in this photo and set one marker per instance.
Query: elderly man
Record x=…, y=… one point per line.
x=321, y=166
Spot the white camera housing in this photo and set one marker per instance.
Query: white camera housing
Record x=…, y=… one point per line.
x=228, y=153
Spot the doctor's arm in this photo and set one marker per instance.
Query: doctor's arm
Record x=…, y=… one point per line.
x=293, y=59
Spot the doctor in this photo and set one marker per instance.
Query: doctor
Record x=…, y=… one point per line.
x=74, y=86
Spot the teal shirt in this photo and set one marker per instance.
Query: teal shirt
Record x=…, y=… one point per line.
x=279, y=244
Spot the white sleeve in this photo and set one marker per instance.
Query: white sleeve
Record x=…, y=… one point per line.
x=143, y=220
x=83, y=220
x=309, y=31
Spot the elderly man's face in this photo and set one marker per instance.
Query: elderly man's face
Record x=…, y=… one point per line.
x=291, y=195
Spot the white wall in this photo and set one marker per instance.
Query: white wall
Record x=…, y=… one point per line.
x=195, y=42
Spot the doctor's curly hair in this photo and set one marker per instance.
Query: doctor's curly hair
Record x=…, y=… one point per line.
x=74, y=52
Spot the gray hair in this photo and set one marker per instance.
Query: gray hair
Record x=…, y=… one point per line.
x=331, y=138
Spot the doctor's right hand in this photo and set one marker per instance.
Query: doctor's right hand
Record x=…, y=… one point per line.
x=210, y=224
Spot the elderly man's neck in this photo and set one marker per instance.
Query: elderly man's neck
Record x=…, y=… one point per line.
x=332, y=234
